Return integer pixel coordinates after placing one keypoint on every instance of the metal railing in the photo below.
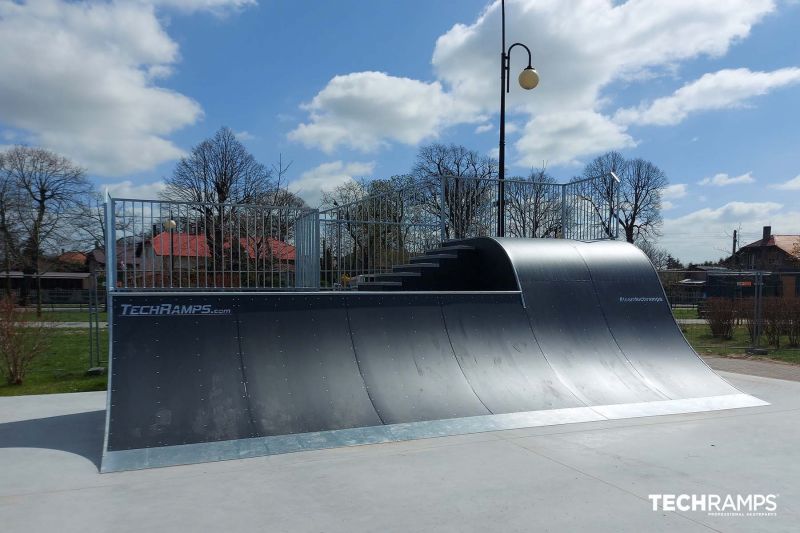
(193, 245)
(153, 245)
(371, 234)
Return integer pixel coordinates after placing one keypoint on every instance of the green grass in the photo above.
(62, 367)
(699, 336)
(62, 316)
(685, 312)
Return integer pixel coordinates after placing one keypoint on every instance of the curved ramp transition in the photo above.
(554, 331)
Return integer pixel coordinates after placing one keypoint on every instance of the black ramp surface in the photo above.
(493, 341)
(176, 379)
(641, 321)
(569, 324)
(406, 359)
(300, 366)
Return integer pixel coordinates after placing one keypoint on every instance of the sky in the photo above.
(707, 90)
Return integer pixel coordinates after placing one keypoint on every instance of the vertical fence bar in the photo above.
(111, 239)
(442, 207)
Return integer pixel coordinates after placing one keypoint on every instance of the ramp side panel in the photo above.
(641, 321)
(494, 344)
(569, 324)
(176, 378)
(406, 359)
(301, 370)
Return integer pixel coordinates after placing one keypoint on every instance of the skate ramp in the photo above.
(587, 335)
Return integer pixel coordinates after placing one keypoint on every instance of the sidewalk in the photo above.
(754, 367)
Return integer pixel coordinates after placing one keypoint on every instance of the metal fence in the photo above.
(371, 234)
(730, 311)
(194, 245)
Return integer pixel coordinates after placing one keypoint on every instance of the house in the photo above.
(776, 253)
(173, 258)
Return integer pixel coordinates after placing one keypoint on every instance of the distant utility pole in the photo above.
(735, 237)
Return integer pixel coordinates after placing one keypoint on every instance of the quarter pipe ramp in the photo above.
(552, 332)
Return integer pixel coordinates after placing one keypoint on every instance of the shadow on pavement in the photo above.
(80, 433)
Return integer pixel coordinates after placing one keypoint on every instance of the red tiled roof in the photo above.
(189, 245)
(72, 257)
(788, 243)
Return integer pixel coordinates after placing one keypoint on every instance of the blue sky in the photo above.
(707, 90)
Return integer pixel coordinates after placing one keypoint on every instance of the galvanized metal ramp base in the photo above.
(256, 447)
(561, 331)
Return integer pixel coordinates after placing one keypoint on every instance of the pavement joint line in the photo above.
(608, 483)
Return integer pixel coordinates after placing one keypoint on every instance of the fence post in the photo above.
(307, 250)
(611, 207)
(111, 251)
(442, 207)
(564, 211)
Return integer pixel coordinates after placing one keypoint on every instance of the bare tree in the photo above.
(47, 190)
(218, 170)
(468, 194)
(372, 222)
(640, 187)
(660, 257)
(217, 176)
(533, 205)
(9, 229)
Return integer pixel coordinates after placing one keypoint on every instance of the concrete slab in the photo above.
(593, 476)
(755, 366)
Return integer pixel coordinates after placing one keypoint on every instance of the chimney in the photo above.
(767, 234)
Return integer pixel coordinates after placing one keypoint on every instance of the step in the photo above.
(396, 275)
(427, 258)
(379, 286)
(414, 267)
(445, 248)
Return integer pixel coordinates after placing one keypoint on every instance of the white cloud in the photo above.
(580, 49)
(219, 7)
(718, 90)
(138, 191)
(674, 191)
(323, 178)
(565, 136)
(723, 180)
(82, 80)
(483, 128)
(364, 110)
(791, 185)
(244, 135)
(666, 205)
(706, 233)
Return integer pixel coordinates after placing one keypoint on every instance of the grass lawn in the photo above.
(685, 312)
(63, 316)
(62, 367)
(699, 336)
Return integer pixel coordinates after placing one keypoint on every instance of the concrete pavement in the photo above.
(592, 476)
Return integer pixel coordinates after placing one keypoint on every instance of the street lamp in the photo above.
(528, 79)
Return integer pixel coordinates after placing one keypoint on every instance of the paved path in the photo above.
(593, 476)
(754, 367)
(66, 325)
(688, 321)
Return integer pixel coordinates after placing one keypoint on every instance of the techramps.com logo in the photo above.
(750, 505)
(172, 310)
(639, 299)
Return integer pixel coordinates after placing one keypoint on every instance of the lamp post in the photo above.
(528, 79)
